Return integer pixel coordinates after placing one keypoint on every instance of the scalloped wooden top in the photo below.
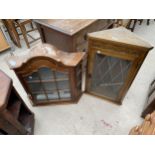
(46, 50)
(121, 35)
(5, 85)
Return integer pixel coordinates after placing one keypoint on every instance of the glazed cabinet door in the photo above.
(108, 75)
(48, 85)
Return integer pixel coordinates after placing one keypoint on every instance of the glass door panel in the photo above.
(53, 95)
(49, 86)
(63, 84)
(46, 73)
(61, 75)
(33, 77)
(109, 75)
(36, 87)
(40, 97)
(46, 85)
(65, 94)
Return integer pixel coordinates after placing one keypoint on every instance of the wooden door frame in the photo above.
(136, 64)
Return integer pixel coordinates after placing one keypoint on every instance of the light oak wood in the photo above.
(146, 128)
(121, 35)
(118, 43)
(3, 43)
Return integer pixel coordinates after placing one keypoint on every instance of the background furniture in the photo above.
(8, 39)
(114, 58)
(4, 45)
(70, 35)
(12, 26)
(3, 42)
(15, 117)
(150, 106)
(49, 75)
(127, 23)
(21, 23)
(146, 128)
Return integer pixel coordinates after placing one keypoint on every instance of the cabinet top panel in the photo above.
(46, 50)
(5, 84)
(67, 26)
(120, 35)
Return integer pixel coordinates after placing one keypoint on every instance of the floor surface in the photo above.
(92, 115)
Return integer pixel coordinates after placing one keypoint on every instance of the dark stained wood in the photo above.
(70, 35)
(117, 43)
(150, 105)
(5, 86)
(48, 56)
(12, 108)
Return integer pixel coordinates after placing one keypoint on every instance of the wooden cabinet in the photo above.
(150, 105)
(15, 117)
(3, 43)
(114, 58)
(146, 128)
(70, 35)
(49, 75)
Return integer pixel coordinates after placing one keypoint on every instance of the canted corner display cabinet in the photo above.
(114, 58)
(49, 75)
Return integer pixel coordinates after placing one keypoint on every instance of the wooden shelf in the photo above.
(14, 108)
(52, 80)
(50, 91)
(27, 120)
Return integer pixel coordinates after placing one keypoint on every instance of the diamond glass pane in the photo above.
(109, 75)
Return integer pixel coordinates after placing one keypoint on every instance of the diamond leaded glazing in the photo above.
(109, 75)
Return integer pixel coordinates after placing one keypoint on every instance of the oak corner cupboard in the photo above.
(49, 75)
(15, 116)
(114, 58)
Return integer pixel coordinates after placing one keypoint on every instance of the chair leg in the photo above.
(140, 21)
(24, 33)
(134, 25)
(148, 21)
(32, 25)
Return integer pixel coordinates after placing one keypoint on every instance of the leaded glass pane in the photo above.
(109, 75)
